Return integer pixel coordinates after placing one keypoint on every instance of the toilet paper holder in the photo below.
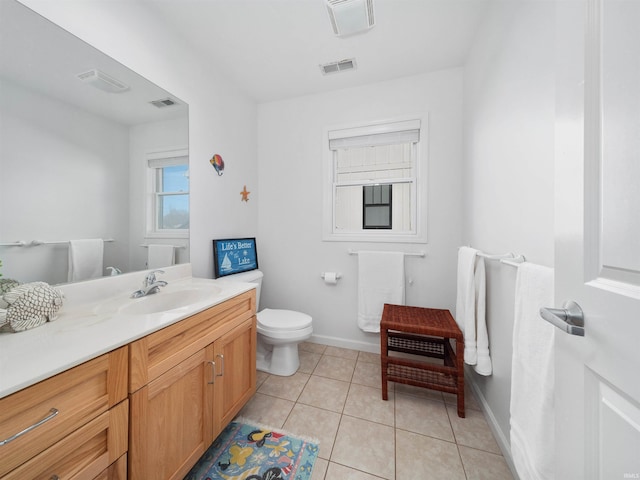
(330, 277)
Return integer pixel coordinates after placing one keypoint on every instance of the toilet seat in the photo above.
(273, 320)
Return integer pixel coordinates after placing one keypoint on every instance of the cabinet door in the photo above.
(171, 420)
(235, 365)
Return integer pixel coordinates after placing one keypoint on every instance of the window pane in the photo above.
(175, 179)
(384, 191)
(377, 217)
(368, 195)
(173, 212)
(377, 195)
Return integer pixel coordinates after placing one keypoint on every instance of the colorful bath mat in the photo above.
(256, 452)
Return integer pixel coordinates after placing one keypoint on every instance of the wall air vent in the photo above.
(350, 16)
(165, 102)
(102, 81)
(336, 67)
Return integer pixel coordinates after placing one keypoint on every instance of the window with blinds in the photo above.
(374, 181)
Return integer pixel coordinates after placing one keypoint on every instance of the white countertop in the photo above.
(89, 323)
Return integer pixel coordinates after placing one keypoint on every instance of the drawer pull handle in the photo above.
(213, 372)
(53, 413)
(221, 374)
(54, 477)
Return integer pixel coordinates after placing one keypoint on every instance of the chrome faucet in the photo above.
(150, 285)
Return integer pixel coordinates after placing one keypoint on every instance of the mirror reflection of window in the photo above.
(173, 198)
(169, 195)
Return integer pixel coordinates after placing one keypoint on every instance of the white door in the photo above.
(597, 228)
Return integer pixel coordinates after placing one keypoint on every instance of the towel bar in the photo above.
(406, 254)
(35, 243)
(507, 258)
(515, 262)
(18, 243)
(146, 245)
(496, 257)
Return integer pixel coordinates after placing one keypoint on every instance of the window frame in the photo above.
(419, 232)
(154, 162)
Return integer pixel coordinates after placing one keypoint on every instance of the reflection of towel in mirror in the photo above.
(160, 256)
(85, 259)
(380, 281)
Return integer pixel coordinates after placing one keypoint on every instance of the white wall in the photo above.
(221, 119)
(508, 169)
(46, 146)
(291, 251)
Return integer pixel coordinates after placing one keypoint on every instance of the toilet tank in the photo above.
(252, 276)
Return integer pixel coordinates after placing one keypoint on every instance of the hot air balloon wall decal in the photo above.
(217, 163)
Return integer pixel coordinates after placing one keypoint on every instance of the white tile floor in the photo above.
(335, 397)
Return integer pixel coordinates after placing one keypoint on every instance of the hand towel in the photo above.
(160, 256)
(466, 302)
(86, 258)
(532, 375)
(483, 358)
(380, 281)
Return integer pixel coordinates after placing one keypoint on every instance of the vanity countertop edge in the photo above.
(79, 334)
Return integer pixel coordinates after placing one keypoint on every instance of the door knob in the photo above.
(569, 318)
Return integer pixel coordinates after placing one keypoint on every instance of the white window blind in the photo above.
(374, 135)
(167, 161)
(379, 139)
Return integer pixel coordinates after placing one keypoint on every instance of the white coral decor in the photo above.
(29, 305)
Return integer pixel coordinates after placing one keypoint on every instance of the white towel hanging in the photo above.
(532, 375)
(380, 281)
(483, 358)
(159, 256)
(470, 309)
(86, 257)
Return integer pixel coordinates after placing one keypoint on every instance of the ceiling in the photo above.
(272, 49)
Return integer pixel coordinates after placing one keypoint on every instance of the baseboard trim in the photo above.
(498, 434)
(342, 343)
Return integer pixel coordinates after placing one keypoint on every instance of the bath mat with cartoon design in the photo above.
(249, 452)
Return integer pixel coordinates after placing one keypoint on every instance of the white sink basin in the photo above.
(162, 301)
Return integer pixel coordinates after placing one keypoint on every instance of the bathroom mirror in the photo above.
(82, 139)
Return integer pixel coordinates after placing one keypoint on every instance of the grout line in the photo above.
(392, 397)
(464, 470)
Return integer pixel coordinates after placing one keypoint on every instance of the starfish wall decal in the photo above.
(245, 194)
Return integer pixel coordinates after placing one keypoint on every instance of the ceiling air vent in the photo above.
(350, 16)
(341, 66)
(165, 102)
(102, 81)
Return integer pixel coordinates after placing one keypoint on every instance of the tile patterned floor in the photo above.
(335, 397)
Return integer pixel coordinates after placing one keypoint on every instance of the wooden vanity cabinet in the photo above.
(187, 381)
(81, 423)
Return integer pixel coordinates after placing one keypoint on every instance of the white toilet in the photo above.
(279, 332)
